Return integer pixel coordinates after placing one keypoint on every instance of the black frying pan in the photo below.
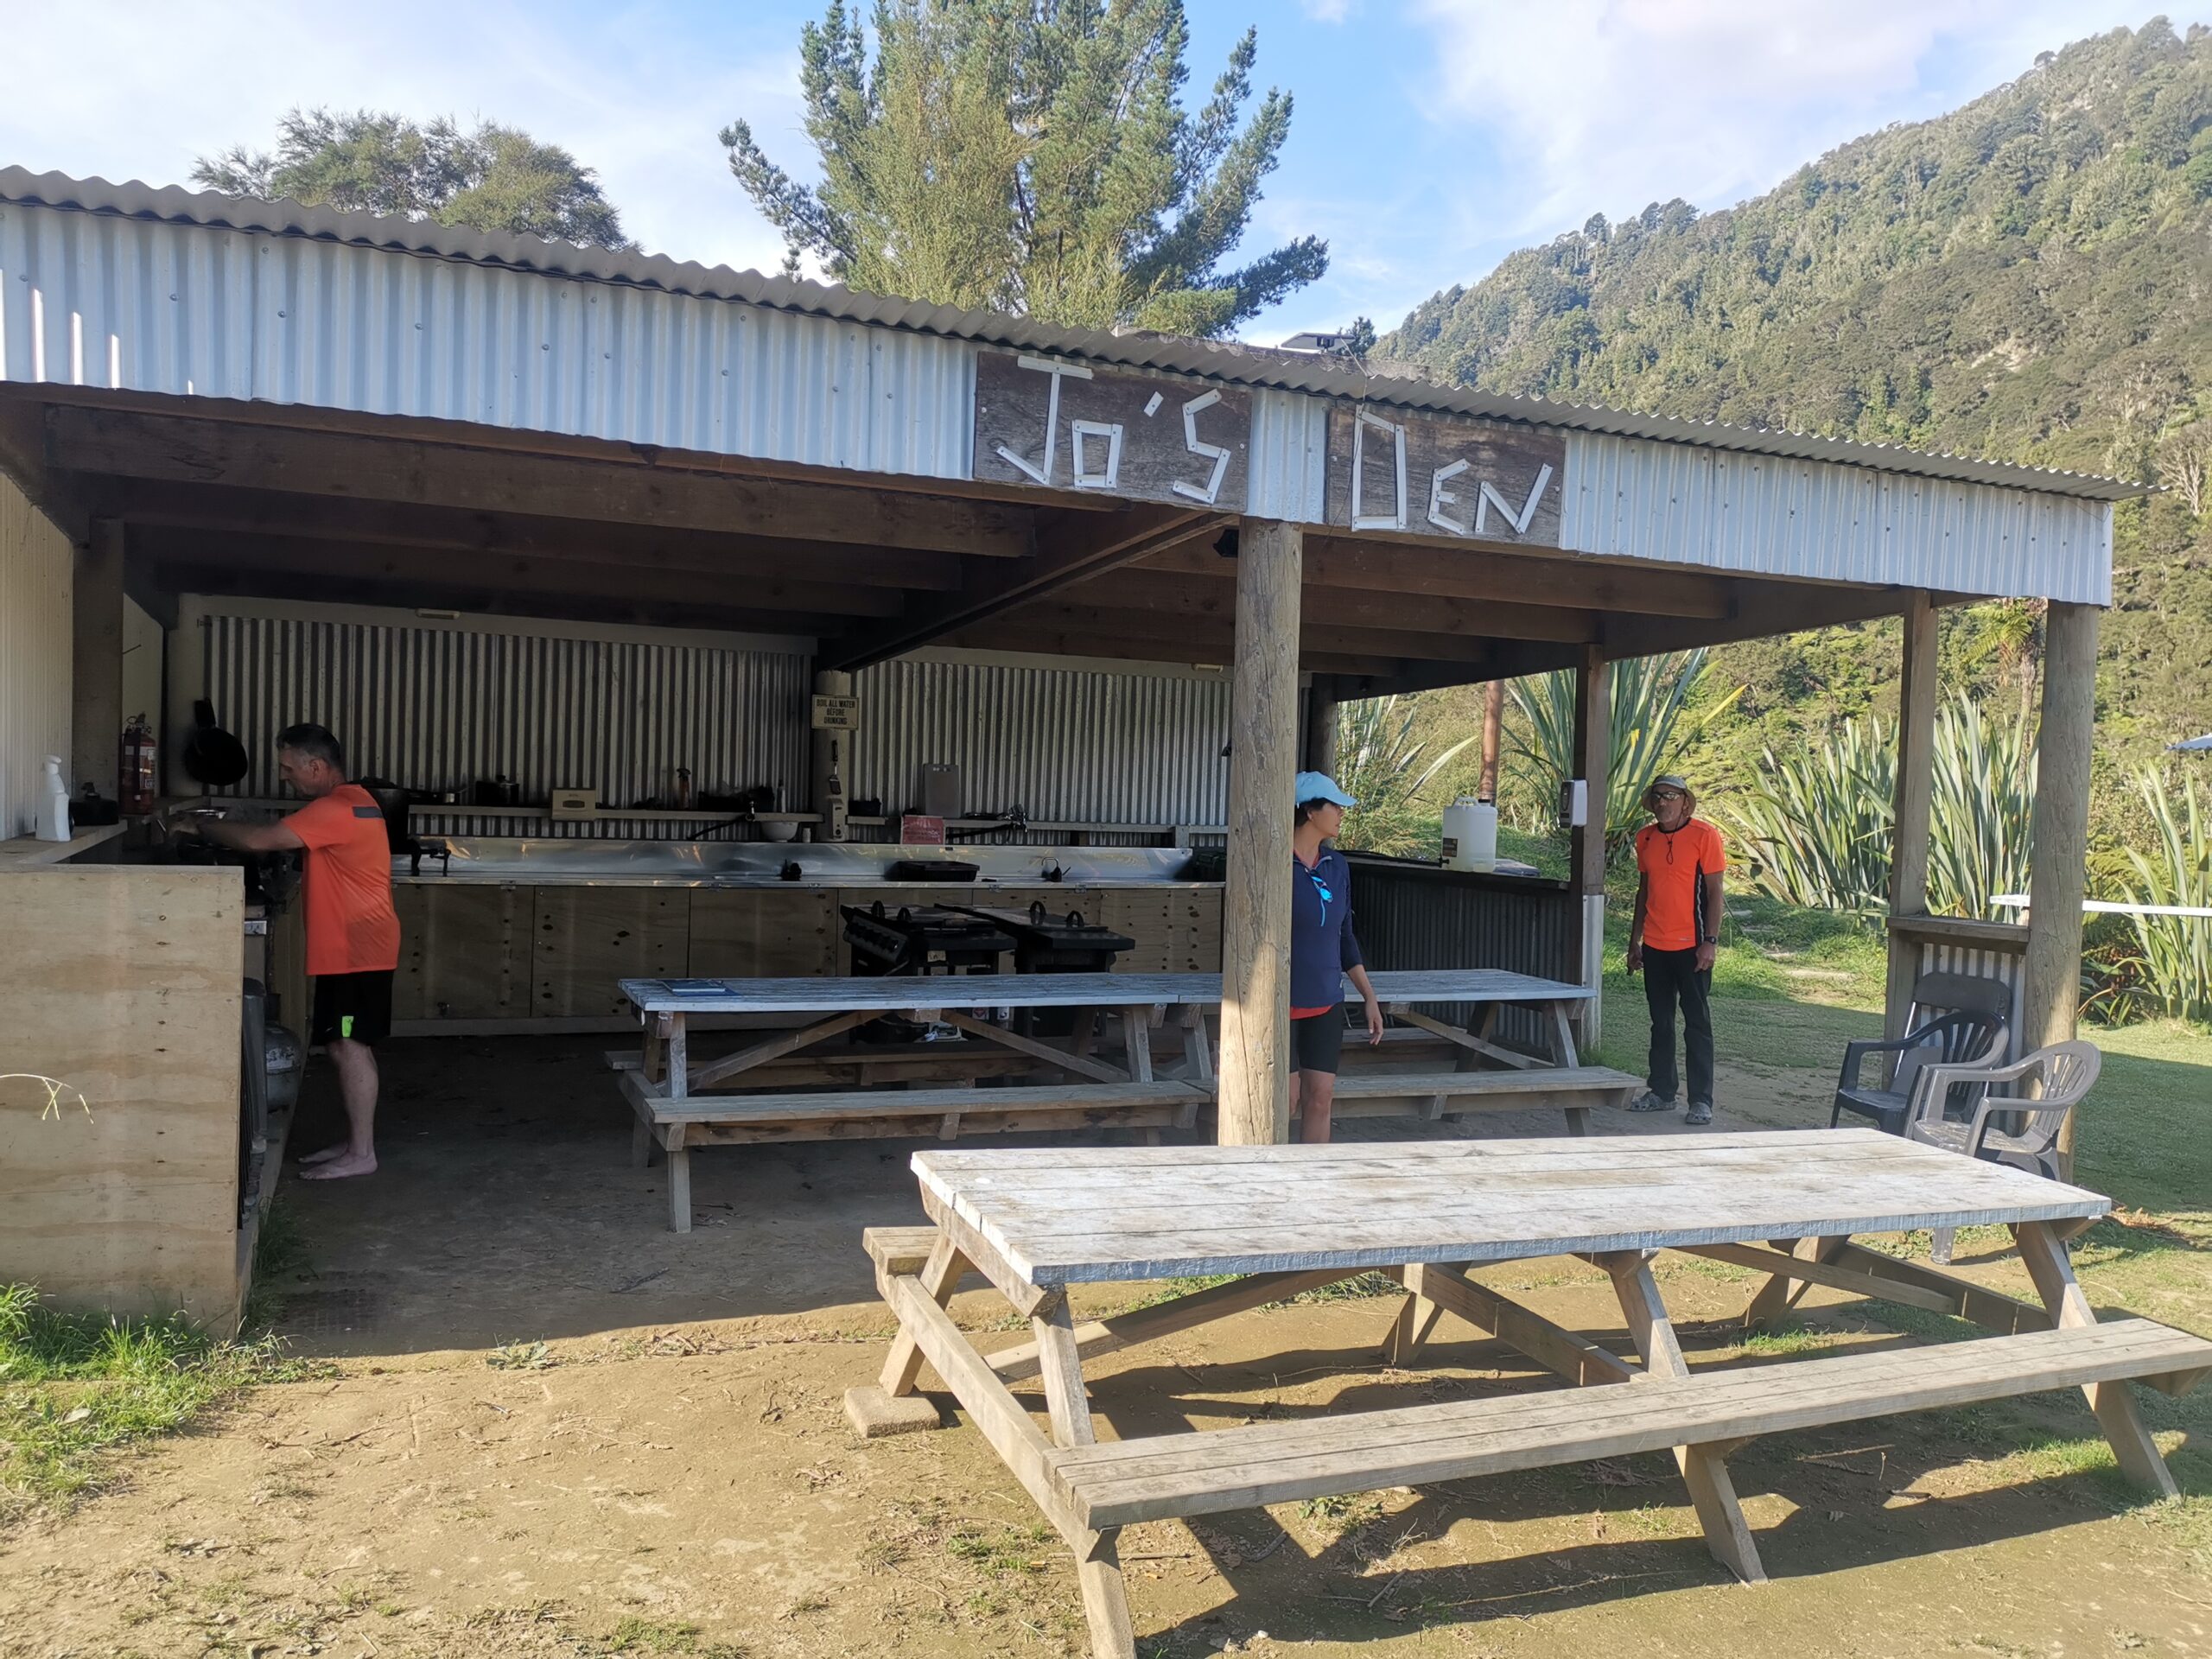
(212, 755)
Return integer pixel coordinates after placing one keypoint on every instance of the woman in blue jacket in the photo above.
(1322, 951)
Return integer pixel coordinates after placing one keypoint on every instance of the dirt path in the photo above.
(660, 1464)
(697, 1491)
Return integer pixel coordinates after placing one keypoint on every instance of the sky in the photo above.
(1431, 137)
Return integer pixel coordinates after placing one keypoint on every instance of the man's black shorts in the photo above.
(1318, 1041)
(355, 1006)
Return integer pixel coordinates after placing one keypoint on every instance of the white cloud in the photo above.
(1608, 105)
(126, 90)
(1326, 11)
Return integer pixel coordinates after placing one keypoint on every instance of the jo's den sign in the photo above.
(1064, 426)
(1434, 475)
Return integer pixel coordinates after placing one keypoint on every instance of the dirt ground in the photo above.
(549, 1427)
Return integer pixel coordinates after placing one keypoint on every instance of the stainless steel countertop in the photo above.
(580, 861)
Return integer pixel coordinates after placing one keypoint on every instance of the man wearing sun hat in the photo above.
(1673, 936)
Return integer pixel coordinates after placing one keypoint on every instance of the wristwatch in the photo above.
(1710, 938)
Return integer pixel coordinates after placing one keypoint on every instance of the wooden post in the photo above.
(1321, 724)
(2058, 871)
(97, 710)
(1594, 763)
(1254, 1078)
(1916, 779)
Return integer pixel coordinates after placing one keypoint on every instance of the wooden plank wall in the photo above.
(124, 983)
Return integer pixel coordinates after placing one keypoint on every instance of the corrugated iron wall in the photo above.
(187, 310)
(1076, 743)
(1763, 515)
(439, 708)
(35, 656)
(98, 300)
(1421, 917)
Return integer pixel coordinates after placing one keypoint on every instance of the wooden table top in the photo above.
(833, 995)
(1069, 1215)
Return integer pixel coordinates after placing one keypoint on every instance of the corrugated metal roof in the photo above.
(1237, 364)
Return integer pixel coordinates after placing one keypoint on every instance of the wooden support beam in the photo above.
(1594, 764)
(522, 574)
(490, 599)
(1321, 745)
(1176, 594)
(1072, 547)
(154, 503)
(357, 467)
(1571, 1355)
(1915, 780)
(1771, 608)
(1213, 635)
(1485, 572)
(1254, 1088)
(96, 643)
(2058, 872)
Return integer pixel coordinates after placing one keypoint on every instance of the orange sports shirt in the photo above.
(1674, 896)
(351, 927)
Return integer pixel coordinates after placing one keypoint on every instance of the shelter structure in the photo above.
(491, 502)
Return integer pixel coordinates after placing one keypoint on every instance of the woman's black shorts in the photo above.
(1318, 1041)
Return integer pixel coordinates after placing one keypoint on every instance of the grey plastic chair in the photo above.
(2021, 1133)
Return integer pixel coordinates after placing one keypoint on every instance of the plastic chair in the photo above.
(1966, 1038)
(2021, 1133)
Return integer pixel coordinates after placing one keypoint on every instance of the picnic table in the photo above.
(669, 1090)
(1288, 1218)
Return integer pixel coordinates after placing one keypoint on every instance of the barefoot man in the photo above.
(352, 931)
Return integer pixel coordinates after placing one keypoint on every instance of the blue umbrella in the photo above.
(2203, 742)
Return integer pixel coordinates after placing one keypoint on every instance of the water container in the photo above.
(52, 803)
(1470, 835)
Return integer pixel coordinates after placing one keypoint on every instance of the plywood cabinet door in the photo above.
(1177, 930)
(464, 953)
(586, 939)
(771, 934)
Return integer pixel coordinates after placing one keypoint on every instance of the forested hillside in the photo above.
(2024, 278)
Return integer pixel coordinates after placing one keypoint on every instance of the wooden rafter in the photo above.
(261, 512)
(447, 568)
(136, 444)
(1072, 547)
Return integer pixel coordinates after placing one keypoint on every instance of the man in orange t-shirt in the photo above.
(353, 930)
(1673, 936)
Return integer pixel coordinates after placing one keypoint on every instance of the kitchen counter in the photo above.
(28, 852)
(823, 866)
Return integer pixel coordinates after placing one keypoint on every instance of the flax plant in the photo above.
(2172, 965)
(1651, 724)
(1819, 821)
(1379, 762)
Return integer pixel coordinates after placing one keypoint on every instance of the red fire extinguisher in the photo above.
(138, 777)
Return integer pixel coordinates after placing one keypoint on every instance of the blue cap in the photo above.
(1318, 786)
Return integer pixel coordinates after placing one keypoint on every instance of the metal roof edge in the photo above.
(1258, 366)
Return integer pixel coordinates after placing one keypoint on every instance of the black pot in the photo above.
(211, 756)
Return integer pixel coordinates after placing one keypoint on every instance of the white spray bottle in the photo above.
(52, 803)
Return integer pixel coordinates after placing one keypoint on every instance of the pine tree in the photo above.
(1034, 156)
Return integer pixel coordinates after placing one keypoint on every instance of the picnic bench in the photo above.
(679, 1101)
(1284, 1219)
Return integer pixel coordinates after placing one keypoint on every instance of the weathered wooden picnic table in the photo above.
(1291, 1218)
(669, 1090)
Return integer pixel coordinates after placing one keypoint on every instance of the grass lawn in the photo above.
(78, 1389)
